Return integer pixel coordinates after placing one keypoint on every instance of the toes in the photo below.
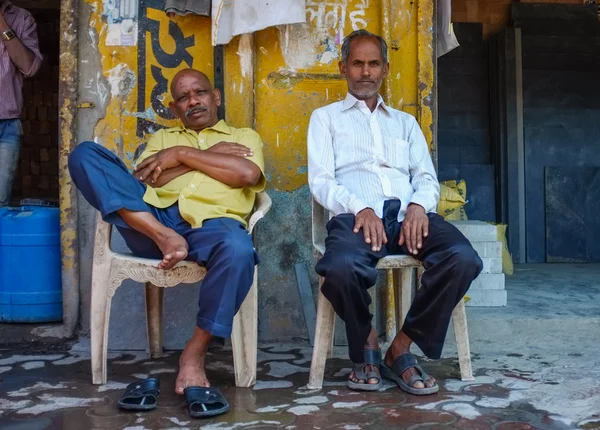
(418, 385)
(373, 381)
(430, 383)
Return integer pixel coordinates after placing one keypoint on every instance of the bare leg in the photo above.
(172, 245)
(372, 343)
(400, 345)
(191, 362)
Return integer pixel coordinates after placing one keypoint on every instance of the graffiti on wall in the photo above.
(158, 58)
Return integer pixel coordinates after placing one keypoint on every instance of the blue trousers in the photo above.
(11, 132)
(222, 245)
(348, 266)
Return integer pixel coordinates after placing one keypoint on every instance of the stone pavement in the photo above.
(53, 390)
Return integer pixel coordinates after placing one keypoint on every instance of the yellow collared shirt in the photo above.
(201, 197)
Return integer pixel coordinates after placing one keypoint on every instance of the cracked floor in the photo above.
(54, 391)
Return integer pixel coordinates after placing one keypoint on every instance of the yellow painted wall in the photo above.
(120, 67)
(274, 79)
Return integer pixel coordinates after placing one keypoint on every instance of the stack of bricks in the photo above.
(488, 289)
(37, 173)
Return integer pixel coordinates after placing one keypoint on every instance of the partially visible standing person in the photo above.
(20, 58)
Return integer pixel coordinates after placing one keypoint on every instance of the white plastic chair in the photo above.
(110, 269)
(400, 288)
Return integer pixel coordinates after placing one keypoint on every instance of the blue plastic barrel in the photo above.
(30, 265)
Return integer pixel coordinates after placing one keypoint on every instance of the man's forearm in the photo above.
(232, 170)
(18, 53)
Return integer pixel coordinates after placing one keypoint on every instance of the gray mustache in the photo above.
(195, 109)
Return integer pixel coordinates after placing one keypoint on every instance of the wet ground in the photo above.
(54, 391)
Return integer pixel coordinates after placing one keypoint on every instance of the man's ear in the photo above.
(172, 107)
(342, 67)
(217, 96)
(386, 70)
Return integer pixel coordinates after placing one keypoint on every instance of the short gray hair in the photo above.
(363, 33)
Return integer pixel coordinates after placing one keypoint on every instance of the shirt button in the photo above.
(201, 140)
(182, 196)
(192, 186)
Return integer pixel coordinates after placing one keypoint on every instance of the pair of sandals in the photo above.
(401, 364)
(201, 401)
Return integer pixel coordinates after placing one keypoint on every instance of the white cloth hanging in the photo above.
(233, 17)
(446, 39)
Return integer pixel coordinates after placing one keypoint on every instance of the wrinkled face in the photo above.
(195, 102)
(364, 69)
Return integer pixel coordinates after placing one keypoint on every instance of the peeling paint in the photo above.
(245, 53)
(303, 410)
(112, 385)
(452, 398)
(313, 400)
(226, 426)
(122, 80)
(264, 385)
(20, 358)
(298, 46)
(52, 403)
(283, 369)
(33, 365)
(174, 420)
(349, 405)
(39, 386)
(462, 409)
(269, 409)
(70, 360)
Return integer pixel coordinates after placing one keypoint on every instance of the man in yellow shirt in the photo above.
(190, 194)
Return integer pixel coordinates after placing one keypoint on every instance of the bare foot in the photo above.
(174, 248)
(399, 346)
(191, 362)
(191, 373)
(372, 343)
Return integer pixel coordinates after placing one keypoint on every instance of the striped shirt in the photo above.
(11, 79)
(358, 159)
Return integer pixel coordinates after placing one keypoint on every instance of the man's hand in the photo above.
(231, 148)
(154, 165)
(415, 228)
(167, 176)
(372, 226)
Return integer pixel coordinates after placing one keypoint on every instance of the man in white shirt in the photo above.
(369, 166)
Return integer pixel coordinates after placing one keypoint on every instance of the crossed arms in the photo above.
(227, 162)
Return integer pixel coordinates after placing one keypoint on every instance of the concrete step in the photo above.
(491, 265)
(477, 231)
(488, 281)
(488, 249)
(491, 298)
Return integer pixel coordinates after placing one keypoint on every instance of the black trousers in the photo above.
(348, 266)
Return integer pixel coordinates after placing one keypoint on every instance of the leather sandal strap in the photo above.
(359, 371)
(372, 356)
(403, 363)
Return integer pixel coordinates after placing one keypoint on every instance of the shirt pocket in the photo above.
(397, 153)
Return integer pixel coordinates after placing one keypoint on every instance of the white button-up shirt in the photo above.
(358, 159)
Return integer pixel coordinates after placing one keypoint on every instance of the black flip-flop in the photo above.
(371, 357)
(401, 364)
(205, 401)
(141, 395)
